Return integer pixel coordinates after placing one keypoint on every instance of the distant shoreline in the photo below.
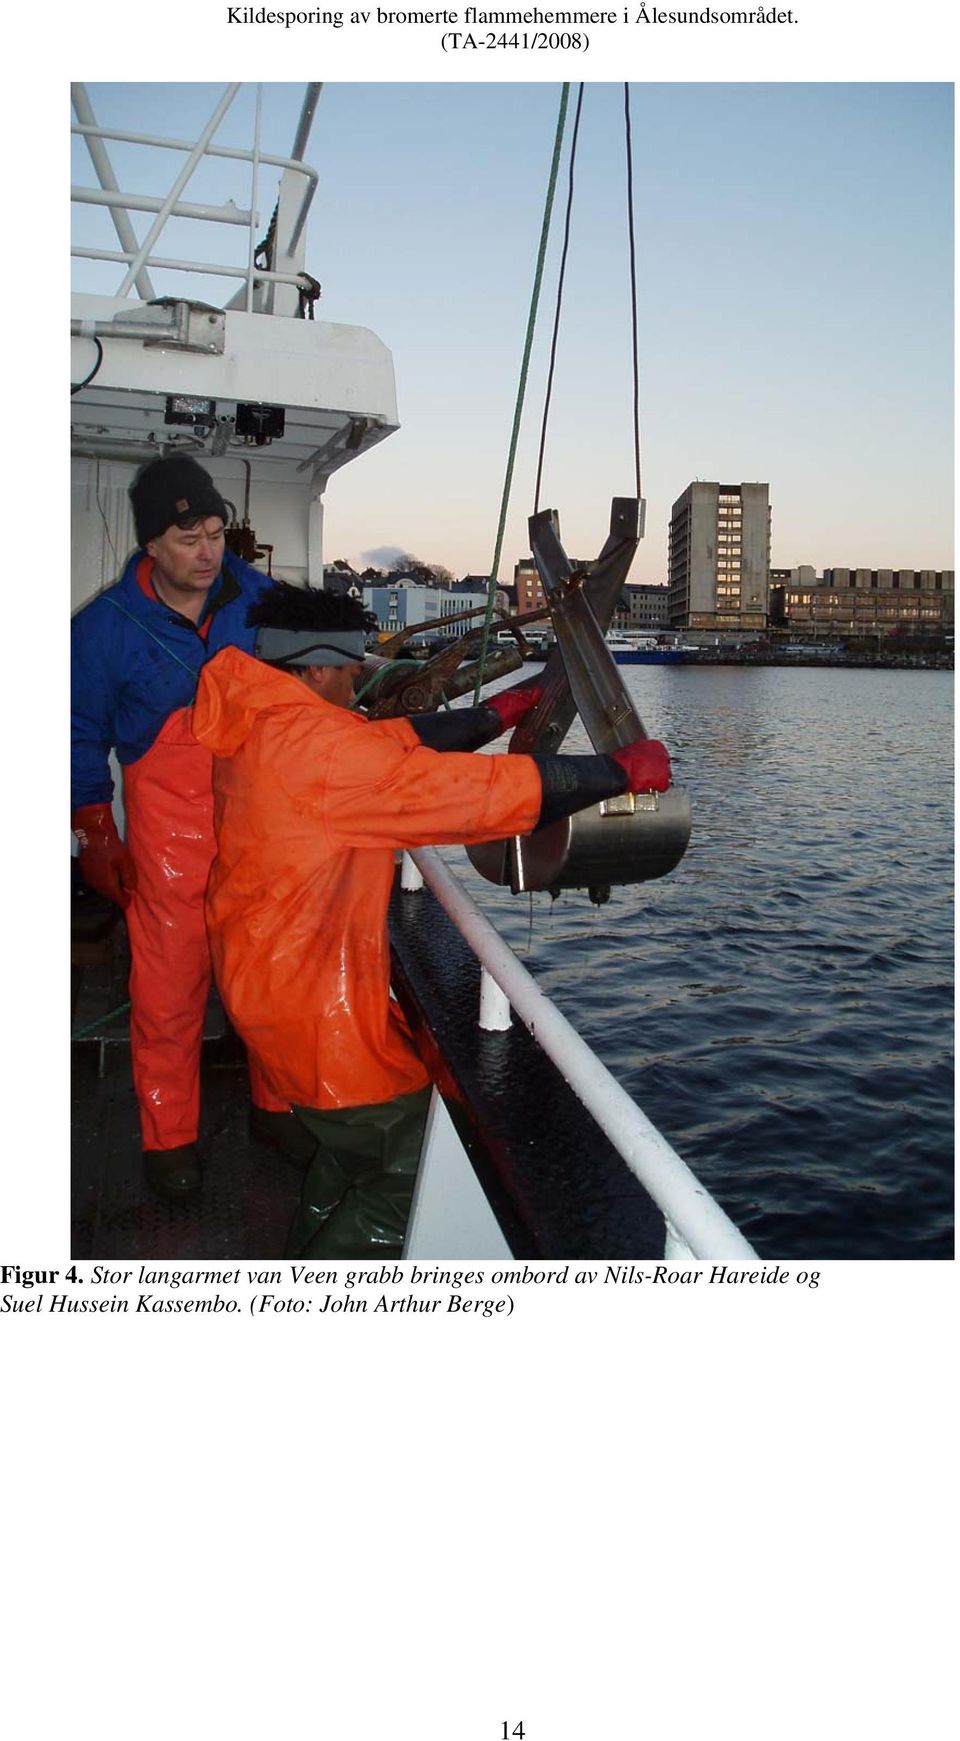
(745, 656)
(829, 661)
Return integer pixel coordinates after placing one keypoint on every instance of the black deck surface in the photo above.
(557, 1186)
(249, 1191)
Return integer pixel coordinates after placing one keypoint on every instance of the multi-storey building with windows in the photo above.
(642, 607)
(530, 596)
(530, 593)
(719, 560)
(401, 602)
(850, 602)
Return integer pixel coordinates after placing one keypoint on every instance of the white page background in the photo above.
(620, 1512)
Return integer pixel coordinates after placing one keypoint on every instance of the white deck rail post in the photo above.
(494, 1005)
(410, 878)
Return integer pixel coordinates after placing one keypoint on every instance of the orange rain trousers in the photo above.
(168, 797)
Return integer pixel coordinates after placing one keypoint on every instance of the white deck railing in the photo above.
(696, 1224)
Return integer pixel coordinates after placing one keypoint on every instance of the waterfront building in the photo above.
(401, 602)
(719, 559)
(847, 603)
(508, 596)
(642, 607)
(530, 593)
(530, 596)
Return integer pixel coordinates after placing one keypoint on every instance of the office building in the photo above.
(855, 602)
(642, 607)
(719, 559)
(530, 593)
(401, 603)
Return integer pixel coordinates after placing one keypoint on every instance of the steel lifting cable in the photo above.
(633, 283)
(633, 295)
(556, 317)
(521, 390)
(628, 140)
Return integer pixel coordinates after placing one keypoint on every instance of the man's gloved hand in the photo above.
(511, 705)
(646, 765)
(105, 863)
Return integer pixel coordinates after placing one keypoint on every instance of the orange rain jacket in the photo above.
(311, 803)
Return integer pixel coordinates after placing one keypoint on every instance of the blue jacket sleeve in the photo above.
(92, 728)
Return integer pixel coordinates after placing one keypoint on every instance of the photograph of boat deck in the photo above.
(641, 911)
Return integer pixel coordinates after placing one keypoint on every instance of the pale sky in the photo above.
(795, 253)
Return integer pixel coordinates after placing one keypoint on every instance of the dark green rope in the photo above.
(521, 389)
(390, 665)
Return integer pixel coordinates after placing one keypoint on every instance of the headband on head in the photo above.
(304, 647)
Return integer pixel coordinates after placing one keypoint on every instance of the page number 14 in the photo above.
(507, 1733)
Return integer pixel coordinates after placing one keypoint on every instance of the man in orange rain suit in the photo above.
(138, 648)
(312, 802)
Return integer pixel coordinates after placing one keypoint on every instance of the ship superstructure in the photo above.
(269, 398)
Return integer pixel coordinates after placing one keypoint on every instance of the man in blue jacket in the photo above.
(138, 650)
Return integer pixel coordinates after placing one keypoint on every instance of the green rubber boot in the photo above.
(358, 1188)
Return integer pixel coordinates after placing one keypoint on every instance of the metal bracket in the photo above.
(168, 324)
(575, 594)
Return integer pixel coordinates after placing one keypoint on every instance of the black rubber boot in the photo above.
(174, 1173)
(289, 1137)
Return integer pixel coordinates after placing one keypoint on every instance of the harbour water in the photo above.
(781, 1006)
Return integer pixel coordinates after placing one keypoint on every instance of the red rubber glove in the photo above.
(105, 863)
(511, 705)
(646, 764)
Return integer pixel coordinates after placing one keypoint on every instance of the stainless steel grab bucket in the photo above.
(623, 840)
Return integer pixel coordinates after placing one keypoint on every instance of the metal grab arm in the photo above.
(582, 601)
(624, 840)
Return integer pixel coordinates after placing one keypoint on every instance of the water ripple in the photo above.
(781, 1006)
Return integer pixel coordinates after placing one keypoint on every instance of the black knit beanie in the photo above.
(171, 492)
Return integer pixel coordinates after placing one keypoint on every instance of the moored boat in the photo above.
(645, 650)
